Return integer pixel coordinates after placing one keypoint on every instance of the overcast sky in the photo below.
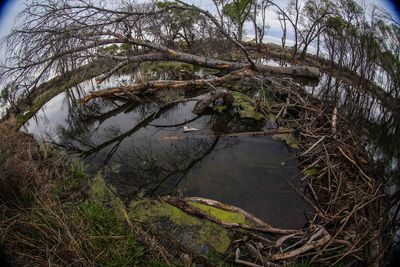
(12, 7)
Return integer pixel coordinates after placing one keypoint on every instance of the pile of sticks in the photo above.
(350, 224)
(345, 187)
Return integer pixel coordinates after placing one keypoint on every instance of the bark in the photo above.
(303, 71)
(166, 84)
(202, 105)
(259, 227)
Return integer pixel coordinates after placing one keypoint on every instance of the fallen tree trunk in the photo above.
(198, 83)
(167, 84)
(172, 55)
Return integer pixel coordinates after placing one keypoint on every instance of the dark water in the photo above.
(142, 157)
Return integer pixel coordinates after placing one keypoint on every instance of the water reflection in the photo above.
(147, 153)
(377, 128)
(376, 123)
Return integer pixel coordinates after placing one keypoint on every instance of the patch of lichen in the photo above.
(220, 108)
(223, 215)
(288, 138)
(246, 106)
(25, 116)
(173, 223)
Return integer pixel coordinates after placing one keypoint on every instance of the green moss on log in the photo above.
(288, 138)
(223, 215)
(196, 234)
(245, 106)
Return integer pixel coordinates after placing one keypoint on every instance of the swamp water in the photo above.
(146, 153)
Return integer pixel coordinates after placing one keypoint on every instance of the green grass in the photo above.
(53, 213)
(110, 237)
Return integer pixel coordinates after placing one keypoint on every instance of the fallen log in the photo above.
(221, 94)
(167, 84)
(288, 243)
(239, 134)
(223, 65)
(259, 226)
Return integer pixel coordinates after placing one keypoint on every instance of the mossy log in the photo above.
(221, 95)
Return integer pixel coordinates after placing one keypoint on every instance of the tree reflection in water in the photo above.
(378, 129)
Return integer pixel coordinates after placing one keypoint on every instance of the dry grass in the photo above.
(22, 165)
(47, 219)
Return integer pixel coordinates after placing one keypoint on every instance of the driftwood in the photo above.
(259, 227)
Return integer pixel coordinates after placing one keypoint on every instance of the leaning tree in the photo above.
(58, 38)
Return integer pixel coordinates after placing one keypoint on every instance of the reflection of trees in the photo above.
(358, 107)
(351, 101)
(378, 127)
(83, 121)
(146, 163)
(159, 167)
(116, 141)
(182, 171)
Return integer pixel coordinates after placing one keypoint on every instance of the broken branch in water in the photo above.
(239, 134)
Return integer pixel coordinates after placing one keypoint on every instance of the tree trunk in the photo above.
(302, 71)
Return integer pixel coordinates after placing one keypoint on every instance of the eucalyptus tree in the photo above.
(60, 38)
(290, 15)
(219, 6)
(262, 8)
(238, 12)
(314, 16)
(388, 31)
(176, 25)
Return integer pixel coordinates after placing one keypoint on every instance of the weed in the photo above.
(53, 213)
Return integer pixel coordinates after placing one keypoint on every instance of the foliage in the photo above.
(54, 213)
(238, 11)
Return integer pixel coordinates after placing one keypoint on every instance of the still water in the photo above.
(146, 152)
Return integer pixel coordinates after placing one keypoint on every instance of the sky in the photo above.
(10, 8)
